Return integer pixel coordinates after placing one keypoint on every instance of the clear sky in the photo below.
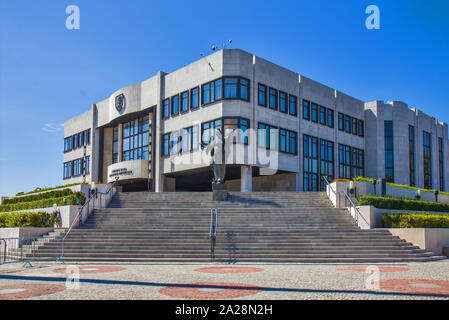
(49, 74)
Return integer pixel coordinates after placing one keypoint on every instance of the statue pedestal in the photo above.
(219, 192)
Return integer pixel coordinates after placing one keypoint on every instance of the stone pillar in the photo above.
(246, 179)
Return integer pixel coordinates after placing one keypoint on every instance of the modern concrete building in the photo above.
(288, 130)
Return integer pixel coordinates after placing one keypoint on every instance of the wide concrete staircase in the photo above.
(252, 227)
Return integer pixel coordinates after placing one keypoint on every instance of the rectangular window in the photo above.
(283, 140)
(411, 154)
(427, 153)
(293, 105)
(136, 139)
(184, 101)
(244, 89)
(357, 163)
(326, 162)
(441, 163)
(77, 167)
(67, 144)
(262, 95)
(115, 145)
(267, 136)
(310, 163)
(344, 161)
(283, 102)
(166, 144)
(322, 115)
(305, 109)
(354, 126)
(341, 122)
(86, 167)
(75, 142)
(67, 170)
(194, 98)
(314, 113)
(273, 99)
(389, 151)
(186, 140)
(231, 88)
(166, 109)
(174, 143)
(347, 124)
(175, 105)
(361, 128)
(205, 93)
(218, 89)
(330, 118)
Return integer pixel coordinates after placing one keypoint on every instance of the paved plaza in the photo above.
(48, 281)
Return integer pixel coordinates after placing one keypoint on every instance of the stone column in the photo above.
(246, 179)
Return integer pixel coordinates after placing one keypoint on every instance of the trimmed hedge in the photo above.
(48, 189)
(27, 220)
(40, 196)
(414, 220)
(401, 204)
(398, 185)
(77, 198)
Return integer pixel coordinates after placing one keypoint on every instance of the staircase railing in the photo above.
(81, 217)
(213, 231)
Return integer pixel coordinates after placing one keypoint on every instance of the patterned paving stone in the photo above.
(23, 291)
(381, 268)
(224, 270)
(210, 291)
(417, 286)
(90, 269)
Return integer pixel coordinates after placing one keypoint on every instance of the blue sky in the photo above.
(49, 74)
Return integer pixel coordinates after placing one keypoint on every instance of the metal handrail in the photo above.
(356, 210)
(330, 186)
(79, 215)
(213, 231)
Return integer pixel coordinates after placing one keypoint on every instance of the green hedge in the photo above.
(40, 196)
(77, 198)
(398, 185)
(414, 220)
(401, 204)
(27, 220)
(48, 189)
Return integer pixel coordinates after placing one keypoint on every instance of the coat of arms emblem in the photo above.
(120, 102)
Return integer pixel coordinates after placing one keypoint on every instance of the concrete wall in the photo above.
(433, 240)
(279, 182)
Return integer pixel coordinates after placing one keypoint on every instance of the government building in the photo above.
(288, 132)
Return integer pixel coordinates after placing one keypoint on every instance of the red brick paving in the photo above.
(90, 269)
(381, 268)
(225, 291)
(224, 270)
(23, 291)
(417, 286)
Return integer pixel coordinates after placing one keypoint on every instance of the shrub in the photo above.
(77, 198)
(40, 196)
(48, 189)
(414, 220)
(401, 204)
(398, 185)
(27, 220)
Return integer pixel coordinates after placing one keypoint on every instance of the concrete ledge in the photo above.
(23, 232)
(426, 238)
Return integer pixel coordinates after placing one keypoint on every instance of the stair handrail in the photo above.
(213, 231)
(79, 216)
(330, 186)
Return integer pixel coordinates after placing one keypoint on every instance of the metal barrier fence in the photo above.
(21, 249)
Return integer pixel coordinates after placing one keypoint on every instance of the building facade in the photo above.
(288, 132)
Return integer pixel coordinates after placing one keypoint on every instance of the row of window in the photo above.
(180, 142)
(219, 89)
(77, 141)
(76, 168)
(268, 137)
(275, 99)
(350, 124)
(318, 114)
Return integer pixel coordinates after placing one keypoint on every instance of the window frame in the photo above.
(259, 86)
